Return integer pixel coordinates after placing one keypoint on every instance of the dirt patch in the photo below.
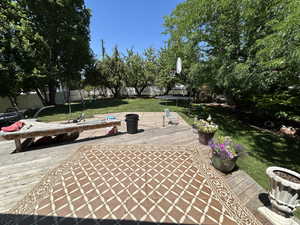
(287, 176)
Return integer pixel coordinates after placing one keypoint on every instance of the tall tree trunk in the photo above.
(13, 101)
(103, 91)
(52, 92)
(115, 91)
(81, 97)
(94, 97)
(167, 90)
(44, 91)
(41, 96)
(139, 91)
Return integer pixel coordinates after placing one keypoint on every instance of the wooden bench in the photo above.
(34, 129)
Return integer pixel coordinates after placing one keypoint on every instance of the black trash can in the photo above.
(132, 123)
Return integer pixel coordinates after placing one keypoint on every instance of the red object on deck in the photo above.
(14, 127)
(112, 130)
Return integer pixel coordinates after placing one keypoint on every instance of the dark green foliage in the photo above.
(140, 72)
(112, 71)
(168, 55)
(245, 47)
(64, 26)
(165, 77)
(44, 44)
(17, 44)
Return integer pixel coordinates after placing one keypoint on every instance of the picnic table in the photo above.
(33, 129)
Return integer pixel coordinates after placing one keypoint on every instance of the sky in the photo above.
(128, 23)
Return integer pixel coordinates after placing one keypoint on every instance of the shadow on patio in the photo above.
(12, 219)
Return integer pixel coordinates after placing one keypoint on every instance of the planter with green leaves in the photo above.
(225, 153)
(206, 130)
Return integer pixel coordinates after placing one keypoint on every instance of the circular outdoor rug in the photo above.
(131, 184)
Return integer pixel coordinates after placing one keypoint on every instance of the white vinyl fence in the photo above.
(32, 101)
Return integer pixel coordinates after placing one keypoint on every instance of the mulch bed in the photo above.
(288, 177)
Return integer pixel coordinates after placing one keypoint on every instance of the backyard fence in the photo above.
(32, 101)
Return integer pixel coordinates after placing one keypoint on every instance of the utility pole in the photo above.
(102, 48)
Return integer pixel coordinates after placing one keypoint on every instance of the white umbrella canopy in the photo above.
(178, 65)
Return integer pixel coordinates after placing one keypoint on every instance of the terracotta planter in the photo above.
(284, 194)
(224, 165)
(204, 138)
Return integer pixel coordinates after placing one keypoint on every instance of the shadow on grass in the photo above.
(78, 107)
(173, 103)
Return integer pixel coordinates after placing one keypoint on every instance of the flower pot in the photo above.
(284, 190)
(204, 138)
(224, 165)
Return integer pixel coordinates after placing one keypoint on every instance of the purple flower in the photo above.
(211, 144)
(239, 148)
(227, 142)
(222, 147)
(230, 155)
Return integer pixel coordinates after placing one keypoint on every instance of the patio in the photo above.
(124, 177)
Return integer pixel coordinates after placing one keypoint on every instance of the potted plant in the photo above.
(225, 153)
(206, 130)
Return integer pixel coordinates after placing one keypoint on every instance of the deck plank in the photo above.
(20, 172)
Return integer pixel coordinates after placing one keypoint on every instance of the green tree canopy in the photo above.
(18, 48)
(64, 27)
(140, 71)
(112, 69)
(166, 77)
(245, 46)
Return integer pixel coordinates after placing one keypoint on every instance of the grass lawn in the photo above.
(107, 106)
(264, 148)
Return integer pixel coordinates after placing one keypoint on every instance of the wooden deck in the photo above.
(20, 172)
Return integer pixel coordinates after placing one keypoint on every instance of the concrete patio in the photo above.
(21, 172)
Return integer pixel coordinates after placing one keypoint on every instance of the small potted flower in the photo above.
(225, 153)
(206, 130)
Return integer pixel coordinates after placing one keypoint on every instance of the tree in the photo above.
(64, 26)
(151, 66)
(244, 46)
(17, 49)
(165, 78)
(135, 72)
(94, 78)
(278, 52)
(140, 71)
(112, 68)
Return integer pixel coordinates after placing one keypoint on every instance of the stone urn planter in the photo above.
(224, 165)
(284, 190)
